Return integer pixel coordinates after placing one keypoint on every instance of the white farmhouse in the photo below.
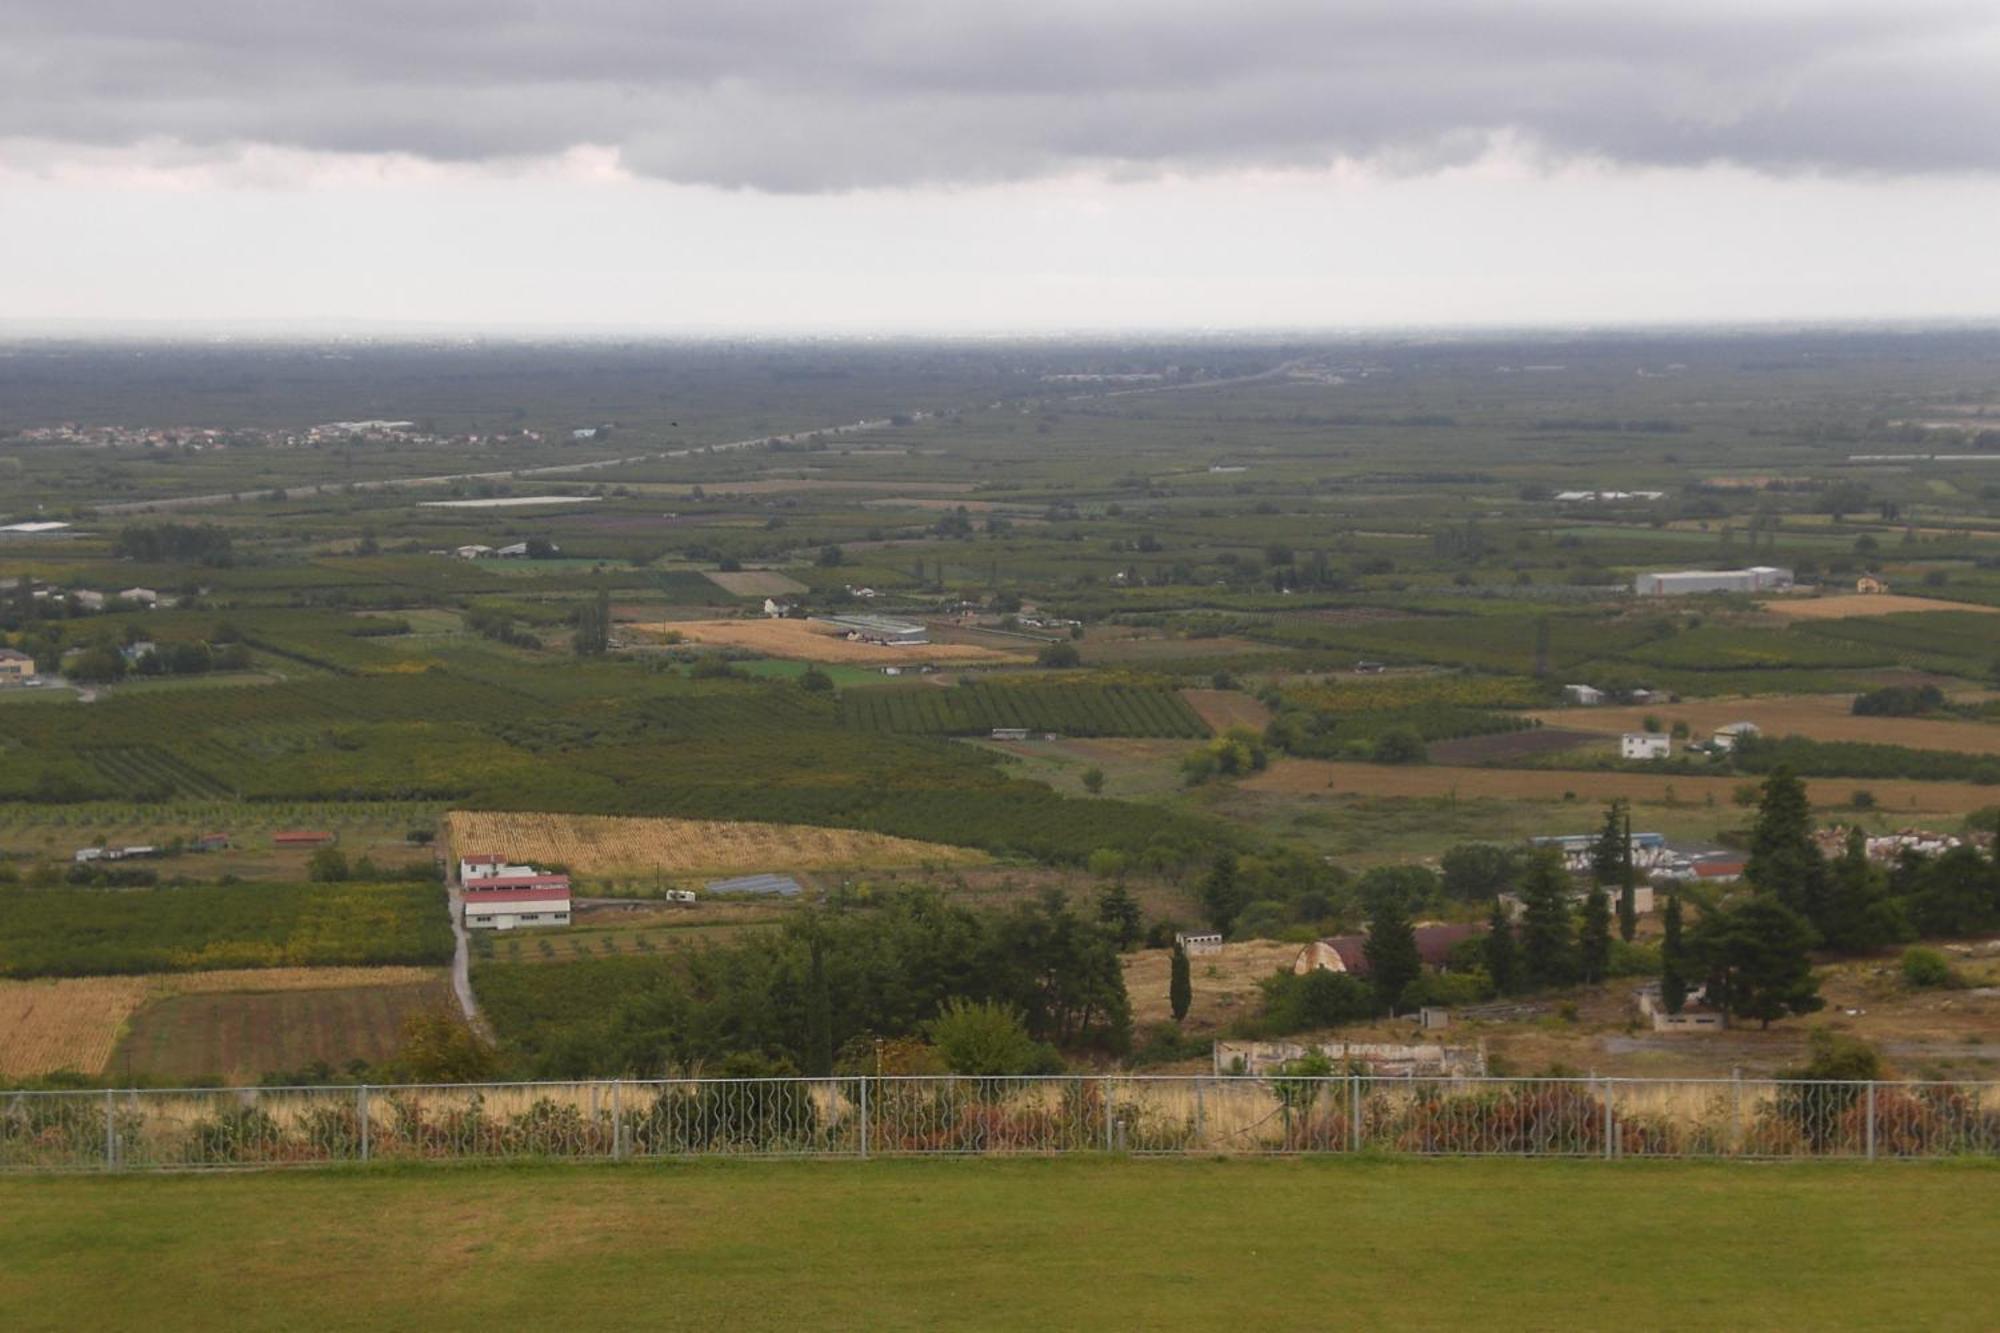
(1645, 745)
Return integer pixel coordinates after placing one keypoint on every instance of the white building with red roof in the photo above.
(499, 896)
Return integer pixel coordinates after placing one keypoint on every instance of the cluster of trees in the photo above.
(1899, 701)
(102, 662)
(175, 543)
(833, 980)
(499, 627)
(1234, 754)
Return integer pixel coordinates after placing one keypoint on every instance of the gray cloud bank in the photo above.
(815, 95)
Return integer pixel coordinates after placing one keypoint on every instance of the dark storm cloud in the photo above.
(830, 94)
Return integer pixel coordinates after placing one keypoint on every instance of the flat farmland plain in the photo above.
(604, 844)
(1299, 777)
(1820, 717)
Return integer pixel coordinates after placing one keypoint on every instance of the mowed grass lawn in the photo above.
(1012, 1244)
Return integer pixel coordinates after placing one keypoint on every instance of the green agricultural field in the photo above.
(1019, 1244)
(72, 932)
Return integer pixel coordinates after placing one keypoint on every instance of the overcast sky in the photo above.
(1056, 164)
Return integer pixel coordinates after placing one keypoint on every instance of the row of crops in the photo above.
(1069, 708)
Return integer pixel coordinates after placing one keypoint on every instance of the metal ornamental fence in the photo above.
(623, 1119)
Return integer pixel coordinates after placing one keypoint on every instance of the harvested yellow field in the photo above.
(811, 642)
(64, 1023)
(75, 1022)
(1822, 717)
(1862, 604)
(754, 582)
(604, 844)
(1301, 777)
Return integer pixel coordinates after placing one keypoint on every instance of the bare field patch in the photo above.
(1224, 983)
(802, 640)
(1301, 777)
(1820, 717)
(1862, 604)
(605, 844)
(754, 582)
(1223, 709)
(75, 1023)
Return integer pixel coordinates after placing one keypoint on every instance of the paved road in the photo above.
(401, 483)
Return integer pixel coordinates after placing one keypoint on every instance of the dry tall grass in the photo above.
(603, 844)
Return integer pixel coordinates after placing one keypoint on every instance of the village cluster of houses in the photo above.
(515, 551)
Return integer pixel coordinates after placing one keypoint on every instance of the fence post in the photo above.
(1736, 1111)
(1871, 1119)
(1353, 1111)
(1200, 1115)
(864, 1117)
(1610, 1129)
(617, 1120)
(361, 1117)
(110, 1131)
(1104, 1100)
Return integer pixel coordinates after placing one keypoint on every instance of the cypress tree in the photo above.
(1673, 962)
(1594, 937)
(1628, 884)
(1180, 986)
(819, 1012)
(1547, 935)
(1502, 960)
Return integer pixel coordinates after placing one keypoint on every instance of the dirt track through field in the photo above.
(1301, 777)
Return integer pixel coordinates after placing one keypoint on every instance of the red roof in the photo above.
(1434, 945)
(301, 835)
(544, 893)
(519, 882)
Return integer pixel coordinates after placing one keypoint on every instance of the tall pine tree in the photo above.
(1758, 964)
(1547, 936)
(1784, 861)
(1180, 985)
(1391, 949)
